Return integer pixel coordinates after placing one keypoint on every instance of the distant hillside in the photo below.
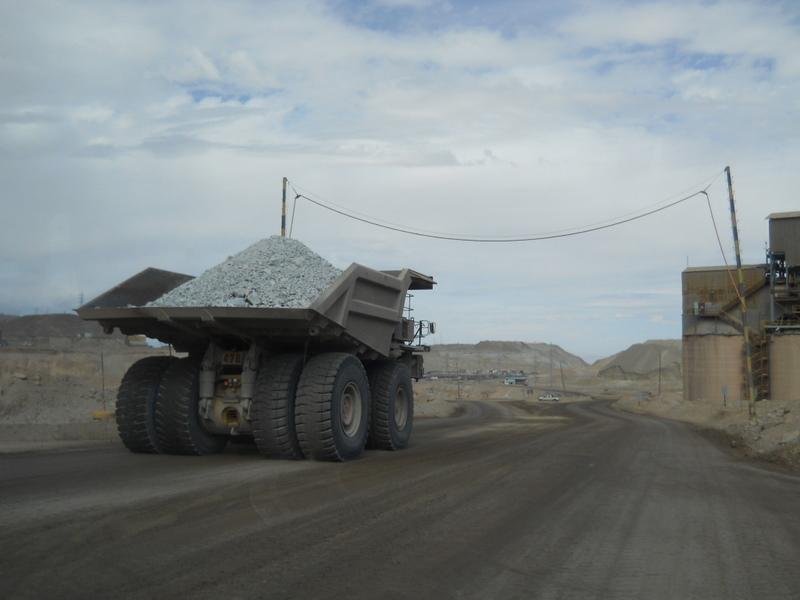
(487, 355)
(41, 327)
(641, 361)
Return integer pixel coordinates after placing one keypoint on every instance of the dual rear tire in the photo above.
(136, 404)
(272, 410)
(179, 427)
(157, 408)
(329, 408)
(341, 407)
(332, 408)
(392, 405)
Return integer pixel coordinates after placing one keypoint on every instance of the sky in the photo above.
(136, 134)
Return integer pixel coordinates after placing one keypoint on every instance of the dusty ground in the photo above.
(507, 500)
(439, 398)
(49, 395)
(50, 398)
(773, 434)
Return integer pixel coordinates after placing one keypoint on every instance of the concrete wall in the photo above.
(711, 364)
(712, 287)
(784, 366)
(758, 312)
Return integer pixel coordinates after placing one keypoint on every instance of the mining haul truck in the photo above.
(321, 382)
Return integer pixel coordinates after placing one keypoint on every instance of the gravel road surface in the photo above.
(502, 501)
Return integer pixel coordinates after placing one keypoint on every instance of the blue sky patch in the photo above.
(296, 116)
(506, 17)
(198, 95)
(765, 66)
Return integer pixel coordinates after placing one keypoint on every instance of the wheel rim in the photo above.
(400, 408)
(350, 409)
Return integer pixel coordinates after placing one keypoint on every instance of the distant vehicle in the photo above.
(548, 397)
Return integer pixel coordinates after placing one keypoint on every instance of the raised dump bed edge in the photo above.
(318, 382)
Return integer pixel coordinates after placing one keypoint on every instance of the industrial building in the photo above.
(714, 357)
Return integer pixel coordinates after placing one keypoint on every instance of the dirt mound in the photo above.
(642, 360)
(47, 326)
(49, 394)
(498, 346)
(500, 355)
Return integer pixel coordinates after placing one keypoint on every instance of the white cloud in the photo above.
(149, 134)
(92, 113)
(195, 66)
(244, 69)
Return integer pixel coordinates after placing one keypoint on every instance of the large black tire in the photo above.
(332, 407)
(272, 410)
(136, 403)
(178, 424)
(392, 405)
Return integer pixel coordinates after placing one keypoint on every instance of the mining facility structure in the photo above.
(714, 357)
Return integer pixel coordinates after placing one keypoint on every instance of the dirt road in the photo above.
(495, 503)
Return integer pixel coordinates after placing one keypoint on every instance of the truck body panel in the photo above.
(360, 311)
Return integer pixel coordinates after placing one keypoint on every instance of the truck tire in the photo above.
(332, 407)
(178, 424)
(136, 403)
(392, 414)
(272, 410)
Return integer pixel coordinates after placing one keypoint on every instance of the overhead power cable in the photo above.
(294, 210)
(350, 214)
(721, 247)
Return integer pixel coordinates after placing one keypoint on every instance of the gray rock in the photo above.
(791, 437)
(273, 273)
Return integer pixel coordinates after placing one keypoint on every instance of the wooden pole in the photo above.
(283, 209)
(659, 373)
(103, 379)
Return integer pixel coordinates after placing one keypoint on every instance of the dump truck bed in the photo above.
(361, 309)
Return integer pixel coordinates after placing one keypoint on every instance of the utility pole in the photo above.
(563, 385)
(283, 209)
(103, 379)
(458, 380)
(748, 353)
(659, 373)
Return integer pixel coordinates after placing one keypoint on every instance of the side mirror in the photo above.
(432, 327)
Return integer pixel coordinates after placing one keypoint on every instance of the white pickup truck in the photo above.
(548, 397)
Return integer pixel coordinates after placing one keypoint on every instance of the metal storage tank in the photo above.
(784, 366)
(713, 369)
